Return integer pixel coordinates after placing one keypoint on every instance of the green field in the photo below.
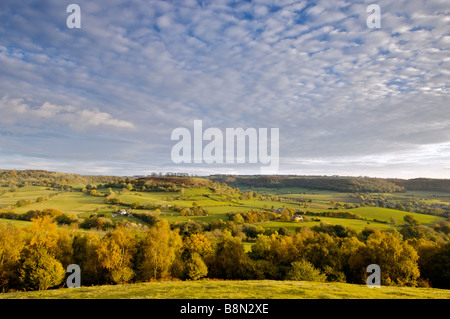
(83, 205)
(206, 289)
(356, 224)
(384, 214)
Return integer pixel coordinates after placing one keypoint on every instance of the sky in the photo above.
(105, 98)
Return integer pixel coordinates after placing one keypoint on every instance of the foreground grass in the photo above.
(264, 289)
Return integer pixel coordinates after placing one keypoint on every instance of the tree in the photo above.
(410, 220)
(322, 251)
(393, 221)
(135, 205)
(195, 248)
(230, 260)
(261, 248)
(303, 270)
(196, 244)
(64, 248)
(252, 231)
(11, 244)
(39, 267)
(350, 246)
(396, 258)
(158, 251)
(196, 267)
(434, 262)
(115, 254)
(85, 248)
(238, 219)
(41, 271)
(43, 234)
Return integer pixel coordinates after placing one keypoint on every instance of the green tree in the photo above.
(41, 271)
(303, 270)
(393, 221)
(252, 231)
(434, 262)
(230, 260)
(410, 220)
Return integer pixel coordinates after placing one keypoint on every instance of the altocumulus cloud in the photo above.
(347, 99)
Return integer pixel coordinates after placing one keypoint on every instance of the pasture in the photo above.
(251, 289)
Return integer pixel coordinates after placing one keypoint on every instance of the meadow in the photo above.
(220, 289)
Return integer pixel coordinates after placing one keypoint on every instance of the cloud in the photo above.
(137, 70)
(18, 111)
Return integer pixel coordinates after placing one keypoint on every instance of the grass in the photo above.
(24, 193)
(385, 214)
(259, 289)
(356, 224)
(18, 223)
(72, 203)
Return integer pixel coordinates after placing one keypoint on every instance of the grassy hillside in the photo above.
(265, 289)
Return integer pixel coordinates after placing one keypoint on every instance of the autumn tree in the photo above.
(11, 244)
(115, 252)
(64, 248)
(434, 262)
(396, 258)
(195, 248)
(39, 267)
(41, 271)
(230, 260)
(196, 267)
(85, 254)
(158, 251)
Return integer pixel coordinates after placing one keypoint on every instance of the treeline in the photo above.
(21, 178)
(285, 214)
(54, 214)
(333, 183)
(36, 257)
(142, 186)
(338, 183)
(424, 184)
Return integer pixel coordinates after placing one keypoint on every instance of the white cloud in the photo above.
(18, 111)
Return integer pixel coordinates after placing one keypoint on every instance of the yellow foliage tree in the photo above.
(11, 244)
(159, 250)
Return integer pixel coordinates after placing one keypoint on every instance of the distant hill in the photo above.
(178, 181)
(336, 183)
(424, 184)
(331, 183)
(46, 178)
